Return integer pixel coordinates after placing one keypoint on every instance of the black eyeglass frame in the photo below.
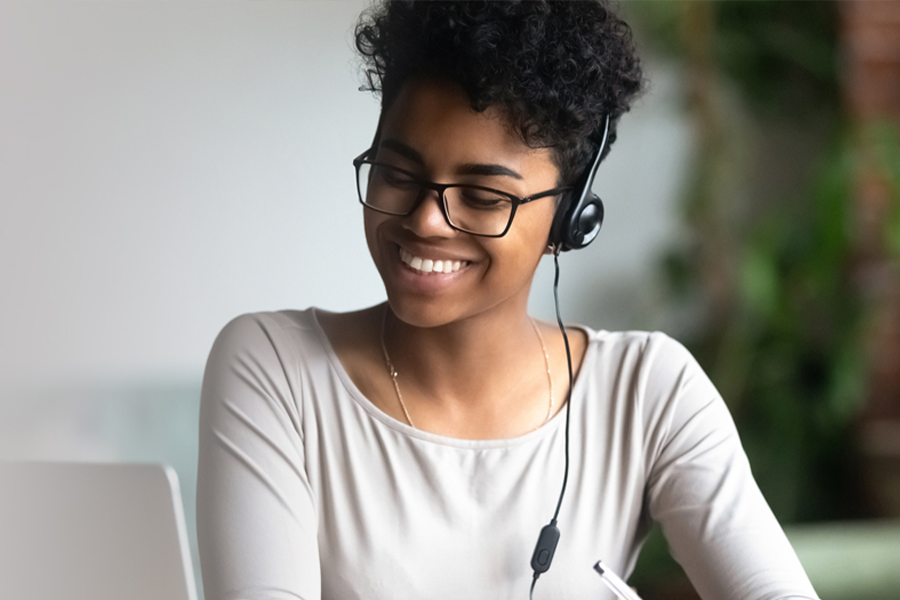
(440, 188)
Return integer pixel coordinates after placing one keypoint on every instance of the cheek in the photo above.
(526, 241)
(536, 223)
(371, 222)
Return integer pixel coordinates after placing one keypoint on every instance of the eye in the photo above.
(483, 199)
(395, 178)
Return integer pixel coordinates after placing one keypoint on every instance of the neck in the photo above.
(482, 364)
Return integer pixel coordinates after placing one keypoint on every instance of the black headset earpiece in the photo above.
(580, 213)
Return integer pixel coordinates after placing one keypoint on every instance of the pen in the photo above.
(615, 583)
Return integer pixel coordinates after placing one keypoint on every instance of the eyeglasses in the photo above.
(471, 209)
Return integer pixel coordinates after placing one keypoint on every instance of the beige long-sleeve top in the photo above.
(307, 490)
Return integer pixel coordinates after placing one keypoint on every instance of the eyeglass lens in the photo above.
(473, 209)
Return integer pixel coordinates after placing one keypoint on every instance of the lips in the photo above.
(429, 265)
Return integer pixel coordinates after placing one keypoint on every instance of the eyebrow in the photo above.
(484, 169)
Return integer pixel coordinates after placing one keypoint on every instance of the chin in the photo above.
(421, 313)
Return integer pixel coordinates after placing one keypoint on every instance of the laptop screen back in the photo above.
(92, 532)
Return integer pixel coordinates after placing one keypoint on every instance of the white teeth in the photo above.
(427, 265)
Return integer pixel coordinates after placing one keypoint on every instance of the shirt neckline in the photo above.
(373, 411)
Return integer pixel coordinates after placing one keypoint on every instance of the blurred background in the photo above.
(786, 278)
(165, 167)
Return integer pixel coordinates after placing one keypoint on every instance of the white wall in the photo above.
(166, 166)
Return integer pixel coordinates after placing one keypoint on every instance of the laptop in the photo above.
(92, 531)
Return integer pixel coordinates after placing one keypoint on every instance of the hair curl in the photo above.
(556, 68)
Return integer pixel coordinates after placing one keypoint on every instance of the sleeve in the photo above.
(256, 515)
(700, 488)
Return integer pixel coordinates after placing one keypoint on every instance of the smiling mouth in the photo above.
(427, 265)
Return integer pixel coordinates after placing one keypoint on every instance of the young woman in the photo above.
(415, 449)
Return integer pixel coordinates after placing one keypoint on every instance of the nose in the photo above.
(428, 218)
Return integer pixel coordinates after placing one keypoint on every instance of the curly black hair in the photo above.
(556, 68)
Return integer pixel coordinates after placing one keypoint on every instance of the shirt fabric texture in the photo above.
(307, 490)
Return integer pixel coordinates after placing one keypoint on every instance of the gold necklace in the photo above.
(393, 372)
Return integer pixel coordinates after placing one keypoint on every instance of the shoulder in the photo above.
(658, 391)
(642, 354)
(266, 339)
(260, 361)
(651, 373)
(251, 326)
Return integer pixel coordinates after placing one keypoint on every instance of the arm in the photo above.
(256, 517)
(700, 488)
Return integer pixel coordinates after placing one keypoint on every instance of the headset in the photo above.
(580, 214)
(575, 225)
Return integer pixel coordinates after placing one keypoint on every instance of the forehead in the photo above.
(436, 119)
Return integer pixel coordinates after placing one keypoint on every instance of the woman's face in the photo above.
(431, 130)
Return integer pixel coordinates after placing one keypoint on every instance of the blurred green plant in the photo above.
(791, 355)
(780, 53)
